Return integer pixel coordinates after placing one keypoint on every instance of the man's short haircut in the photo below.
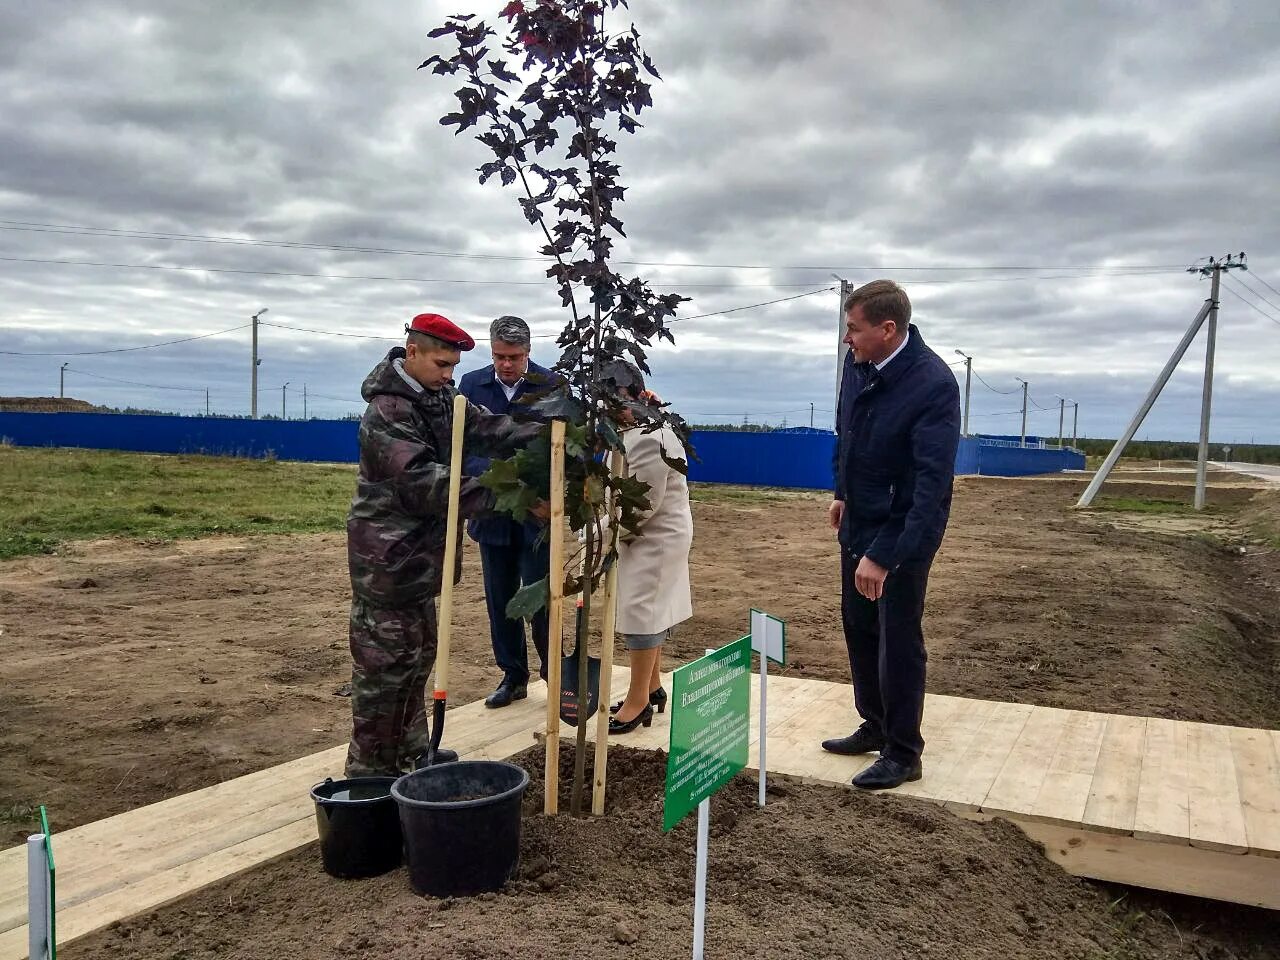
(512, 330)
(881, 300)
(425, 341)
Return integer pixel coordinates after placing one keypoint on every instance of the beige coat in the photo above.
(653, 569)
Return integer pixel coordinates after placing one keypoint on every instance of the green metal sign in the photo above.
(710, 727)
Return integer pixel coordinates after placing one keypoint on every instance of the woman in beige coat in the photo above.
(653, 572)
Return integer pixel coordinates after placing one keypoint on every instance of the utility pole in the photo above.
(284, 401)
(206, 401)
(1075, 425)
(253, 390)
(810, 414)
(968, 378)
(304, 401)
(1212, 268)
(842, 348)
(1062, 415)
(62, 380)
(1025, 385)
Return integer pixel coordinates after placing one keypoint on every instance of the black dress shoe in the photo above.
(862, 740)
(443, 755)
(886, 774)
(657, 699)
(643, 718)
(507, 692)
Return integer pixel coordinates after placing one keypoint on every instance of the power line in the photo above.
(751, 306)
(326, 333)
(134, 383)
(85, 230)
(339, 399)
(1252, 306)
(1267, 285)
(96, 353)
(1240, 280)
(993, 389)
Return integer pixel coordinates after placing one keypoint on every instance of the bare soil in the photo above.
(821, 872)
(45, 405)
(136, 671)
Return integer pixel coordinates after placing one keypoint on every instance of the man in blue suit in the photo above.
(509, 552)
(897, 426)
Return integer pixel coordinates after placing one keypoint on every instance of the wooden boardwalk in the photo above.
(1187, 807)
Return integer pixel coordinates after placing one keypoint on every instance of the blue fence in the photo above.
(780, 459)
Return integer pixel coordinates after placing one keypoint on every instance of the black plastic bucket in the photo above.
(461, 825)
(358, 825)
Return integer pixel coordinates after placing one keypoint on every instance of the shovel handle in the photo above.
(444, 623)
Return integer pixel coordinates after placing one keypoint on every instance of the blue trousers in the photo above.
(506, 569)
(887, 655)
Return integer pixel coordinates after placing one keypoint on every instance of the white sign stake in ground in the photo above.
(769, 639)
(42, 938)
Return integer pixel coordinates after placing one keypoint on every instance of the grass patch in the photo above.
(52, 495)
(720, 493)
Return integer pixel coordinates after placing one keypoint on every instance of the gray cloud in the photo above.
(810, 134)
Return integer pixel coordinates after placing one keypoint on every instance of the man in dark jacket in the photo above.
(897, 426)
(511, 553)
(396, 537)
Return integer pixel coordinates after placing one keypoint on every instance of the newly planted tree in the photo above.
(547, 96)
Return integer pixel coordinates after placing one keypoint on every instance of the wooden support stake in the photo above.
(555, 621)
(610, 601)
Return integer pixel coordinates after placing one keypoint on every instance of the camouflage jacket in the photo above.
(396, 528)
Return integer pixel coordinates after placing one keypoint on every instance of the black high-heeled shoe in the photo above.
(643, 718)
(657, 698)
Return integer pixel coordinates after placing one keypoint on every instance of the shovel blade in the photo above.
(569, 689)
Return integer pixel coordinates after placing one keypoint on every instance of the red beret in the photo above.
(442, 328)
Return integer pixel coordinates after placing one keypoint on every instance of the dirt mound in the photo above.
(822, 872)
(44, 405)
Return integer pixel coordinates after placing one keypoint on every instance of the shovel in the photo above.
(444, 623)
(569, 674)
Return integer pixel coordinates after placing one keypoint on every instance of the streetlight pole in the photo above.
(968, 379)
(62, 380)
(284, 401)
(253, 389)
(1062, 416)
(1025, 385)
(1075, 425)
(304, 401)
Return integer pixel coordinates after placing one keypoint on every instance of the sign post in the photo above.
(42, 938)
(710, 736)
(769, 639)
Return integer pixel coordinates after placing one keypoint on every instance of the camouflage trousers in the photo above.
(392, 653)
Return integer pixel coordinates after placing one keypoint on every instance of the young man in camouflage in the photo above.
(396, 537)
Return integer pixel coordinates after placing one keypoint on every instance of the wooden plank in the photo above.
(1064, 795)
(795, 746)
(166, 886)
(942, 757)
(982, 760)
(1018, 784)
(1113, 793)
(1213, 796)
(1257, 766)
(148, 839)
(1193, 871)
(1163, 810)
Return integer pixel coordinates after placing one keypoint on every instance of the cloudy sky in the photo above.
(1037, 177)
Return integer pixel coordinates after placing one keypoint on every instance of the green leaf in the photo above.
(528, 600)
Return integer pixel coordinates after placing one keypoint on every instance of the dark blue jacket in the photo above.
(482, 387)
(896, 438)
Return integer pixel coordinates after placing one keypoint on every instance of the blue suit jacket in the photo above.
(482, 387)
(897, 433)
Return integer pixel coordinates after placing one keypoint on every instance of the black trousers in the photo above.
(887, 655)
(505, 569)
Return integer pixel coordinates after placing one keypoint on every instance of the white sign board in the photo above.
(768, 636)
